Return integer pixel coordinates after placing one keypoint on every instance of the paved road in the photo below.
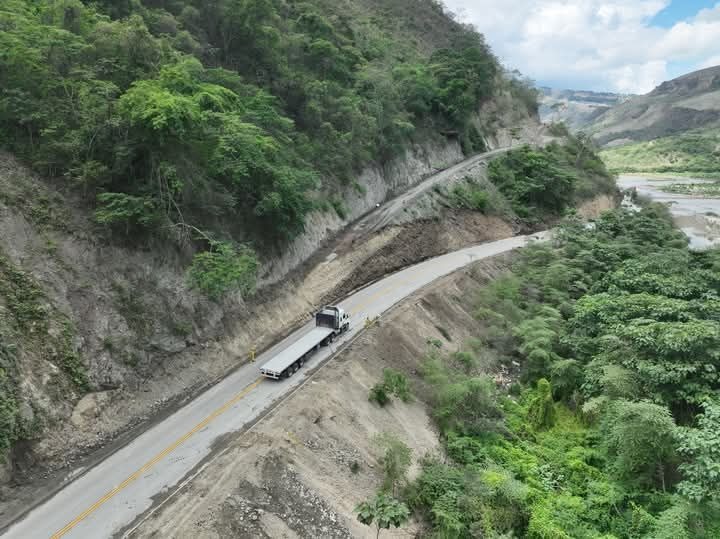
(384, 215)
(110, 496)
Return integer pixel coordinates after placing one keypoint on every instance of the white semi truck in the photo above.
(329, 323)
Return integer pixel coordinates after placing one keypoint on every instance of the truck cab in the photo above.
(334, 318)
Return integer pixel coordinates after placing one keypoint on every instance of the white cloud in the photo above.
(602, 44)
(711, 62)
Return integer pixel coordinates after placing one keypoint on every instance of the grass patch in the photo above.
(704, 190)
(694, 152)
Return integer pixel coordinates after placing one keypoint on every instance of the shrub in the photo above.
(379, 394)
(541, 412)
(126, 212)
(469, 196)
(394, 383)
(223, 269)
(384, 510)
(339, 208)
(395, 460)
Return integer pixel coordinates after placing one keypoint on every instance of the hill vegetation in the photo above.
(542, 183)
(221, 121)
(613, 431)
(694, 152)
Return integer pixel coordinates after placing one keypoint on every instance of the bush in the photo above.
(541, 412)
(379, 394)
(395, 460)
(469, 196)
(339, 208)
(126, 212)
(394, 383)
(224, 269)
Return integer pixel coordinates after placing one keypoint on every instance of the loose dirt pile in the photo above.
(301, 471)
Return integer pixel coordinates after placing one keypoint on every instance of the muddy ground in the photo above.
(301, 471)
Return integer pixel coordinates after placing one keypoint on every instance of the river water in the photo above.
(698, 217)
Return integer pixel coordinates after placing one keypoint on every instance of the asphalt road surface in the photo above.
(384, 215)
(111, 496)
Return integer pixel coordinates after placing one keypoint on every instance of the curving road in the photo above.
(108, 498)
(384, 215)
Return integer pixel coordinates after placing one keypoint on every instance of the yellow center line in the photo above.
(157, 458)
(169, 449)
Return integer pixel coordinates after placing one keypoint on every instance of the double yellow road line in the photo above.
(157, 458)
(177, 443)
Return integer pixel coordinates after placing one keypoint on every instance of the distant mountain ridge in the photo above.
(686, 103)
(575, 108)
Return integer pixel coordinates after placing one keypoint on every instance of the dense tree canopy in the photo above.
(223, 115)
(614, 432)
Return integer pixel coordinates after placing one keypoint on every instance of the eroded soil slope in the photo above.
(292, 474)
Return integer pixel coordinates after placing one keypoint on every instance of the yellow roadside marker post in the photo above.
(252, 354)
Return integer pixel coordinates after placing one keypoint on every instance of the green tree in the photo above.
(223, 269)
(640, 436)
(701, 447)
(393, 383)
(384, 510)
(541, 410)
(463, 404)
(395, 460)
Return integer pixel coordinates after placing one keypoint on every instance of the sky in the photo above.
(625, 46)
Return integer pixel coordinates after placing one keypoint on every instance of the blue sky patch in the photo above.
(680, 10)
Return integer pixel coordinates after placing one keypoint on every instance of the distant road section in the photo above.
(109, 497)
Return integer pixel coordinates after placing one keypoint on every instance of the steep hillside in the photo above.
(231, 121)
(688, 102)
(99, 338)
(576, 109)
(194, 171)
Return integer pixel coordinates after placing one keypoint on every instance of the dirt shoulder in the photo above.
(292, 474)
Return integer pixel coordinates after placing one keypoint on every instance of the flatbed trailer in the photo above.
(330, 322)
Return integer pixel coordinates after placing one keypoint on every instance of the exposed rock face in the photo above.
(374, 185)
(576, 108)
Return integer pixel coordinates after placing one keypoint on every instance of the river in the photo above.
(698, 217)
